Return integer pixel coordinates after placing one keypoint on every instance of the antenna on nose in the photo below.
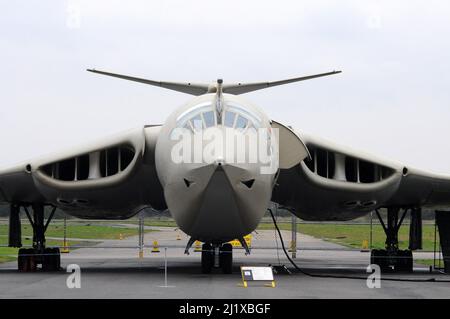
(219, 100)
(219, 87)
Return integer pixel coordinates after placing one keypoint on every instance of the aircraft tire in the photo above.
(379, 257)
(21, 260)
(207, 258)
(30, 264)
(226, 258)
(404, 261)
(51, 260)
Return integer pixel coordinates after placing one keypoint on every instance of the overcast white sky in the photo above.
(392, 99)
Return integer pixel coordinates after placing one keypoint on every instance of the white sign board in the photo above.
(257, 273)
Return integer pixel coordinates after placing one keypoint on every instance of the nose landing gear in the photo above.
(217, 256)
(226, 258)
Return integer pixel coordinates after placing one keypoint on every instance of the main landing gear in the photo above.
(217, 256)
(392, 258)
(39, 254)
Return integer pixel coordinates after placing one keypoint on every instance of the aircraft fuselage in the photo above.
(214, 186)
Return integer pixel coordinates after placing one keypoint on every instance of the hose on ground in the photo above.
(339, 276)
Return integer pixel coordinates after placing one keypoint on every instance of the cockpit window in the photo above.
(198, 117)
(244, 116)
(229, 119)
(241, 122)
(204, 115)
(210, 119)
(197, 122)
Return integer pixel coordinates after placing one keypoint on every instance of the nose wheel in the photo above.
(207, 258)
(224, 260)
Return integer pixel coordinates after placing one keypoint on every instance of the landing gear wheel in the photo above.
(226, 258)
(31, 264)
(58, 258)
(392, 259)
(51, 260)
(27, 260)
(409, 263)
(207, 258)
(401, 261)
(404, 261)
(379, 257)
(21, 260)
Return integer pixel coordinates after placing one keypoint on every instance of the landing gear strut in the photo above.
(30, 258)
(217, 256)
(392, 258)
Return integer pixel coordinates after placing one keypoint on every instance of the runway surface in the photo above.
(112, 271)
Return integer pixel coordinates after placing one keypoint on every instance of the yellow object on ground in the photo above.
(292, 247)
(155, 248)
(120, 236)
(198, 246)
(365, 244)
(237, 243)
(65, 248)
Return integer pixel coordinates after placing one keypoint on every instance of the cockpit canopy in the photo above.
(204, 115)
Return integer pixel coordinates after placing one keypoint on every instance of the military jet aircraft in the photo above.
(217, 199)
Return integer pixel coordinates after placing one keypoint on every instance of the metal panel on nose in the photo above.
(218, 209)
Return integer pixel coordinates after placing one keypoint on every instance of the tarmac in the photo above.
(113, 269)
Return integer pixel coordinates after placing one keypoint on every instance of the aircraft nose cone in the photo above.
(218, 215)
(218, 202)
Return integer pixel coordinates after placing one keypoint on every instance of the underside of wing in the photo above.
(421, 188)
(338, 183)
(111, 178)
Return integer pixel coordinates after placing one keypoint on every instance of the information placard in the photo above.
(253, 273)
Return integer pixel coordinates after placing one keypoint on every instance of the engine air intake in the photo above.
(332, 165)
(94, 165)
